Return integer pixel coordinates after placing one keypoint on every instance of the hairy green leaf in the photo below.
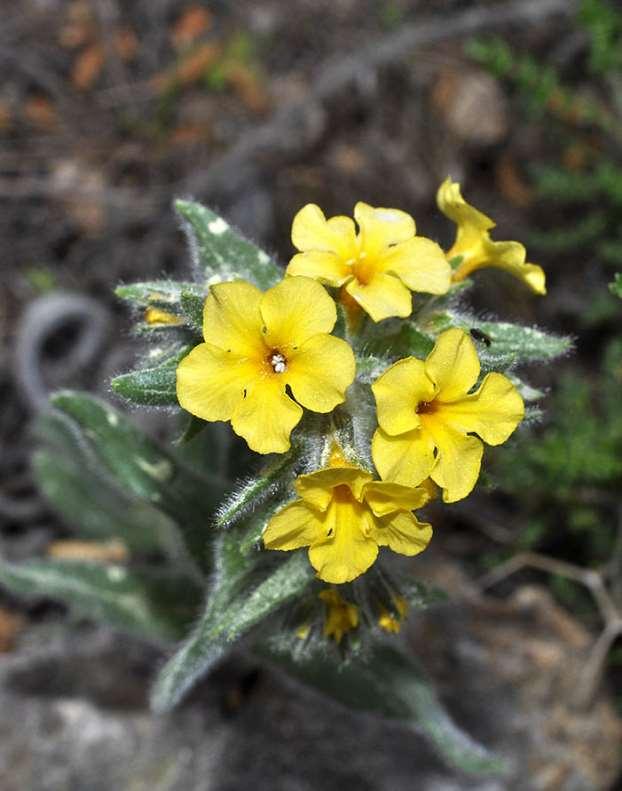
(220, 252)
(143, 469)
(616, 286)
(233, 608)
(156, 604)
(387, 682)
(192, 307)
(165, 294)
(96, 508)
(501, 344)
(256, 490)
(155, 386)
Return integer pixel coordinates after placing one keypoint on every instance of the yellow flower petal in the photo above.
(493, 412)
(382, 227)
(295, 310)
(402, 533)
(293, 527)
(382, 297)
(471, 222)
(477, 249)
(231, 318)
(211, 382)
(398, 391)
(266, 417)
(316, 488)
(406, 459)
(453, 364)
(348, 549)
(420, 264)
(385, 498)
(341, 616)
(311, 231)
(320, 372)
(511, 257)
(459, 459)
(328, 268)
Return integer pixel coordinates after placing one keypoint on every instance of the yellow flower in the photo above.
(392, 622)
(256, 346)
(427, 417)
(341, 616)
(343, 516)
(159, 316)
(377, 266)
(474, 245)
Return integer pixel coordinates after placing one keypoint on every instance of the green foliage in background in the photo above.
(584, 124)
(573, 472)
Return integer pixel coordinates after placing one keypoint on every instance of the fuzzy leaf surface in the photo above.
(96, 508)
(501, 344)
(141, 468)
(239, 599)
(388, 682)
(154, 604)
(165, 294)
(220, 252)
(155, 386)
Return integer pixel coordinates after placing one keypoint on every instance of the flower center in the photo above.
(426, 407)
(277, 361)
(362, 267)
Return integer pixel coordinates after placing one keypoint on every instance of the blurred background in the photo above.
(108, 111)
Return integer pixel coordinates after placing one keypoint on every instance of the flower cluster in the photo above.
(269, 355)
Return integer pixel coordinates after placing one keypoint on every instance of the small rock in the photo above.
(472, 106)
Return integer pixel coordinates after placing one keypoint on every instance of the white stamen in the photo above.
(278, 363)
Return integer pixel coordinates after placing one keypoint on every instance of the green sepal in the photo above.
(222, 253)
(153, 386)
(254, 491)
(192, 308)
(385, 681)
(140, 467)
(152, 603)
(165, 294)
(241, 596)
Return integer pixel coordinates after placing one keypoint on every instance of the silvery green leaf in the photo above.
(240, 598)
(387, 682)
(192, 308)
(97, 509)
(153, 603)
(154, 385)
(616, 286)
(254, 491)
(143, 469)
(220, 252)
(165, 294)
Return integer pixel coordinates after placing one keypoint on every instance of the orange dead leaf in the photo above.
(511, 184)
(6, 116)
(126, 43)
(91, 551)
(87, 67)
(195, 21)
(40, 112)
(79, 28)
(188, 69)
(10, 626)
(248, 87)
